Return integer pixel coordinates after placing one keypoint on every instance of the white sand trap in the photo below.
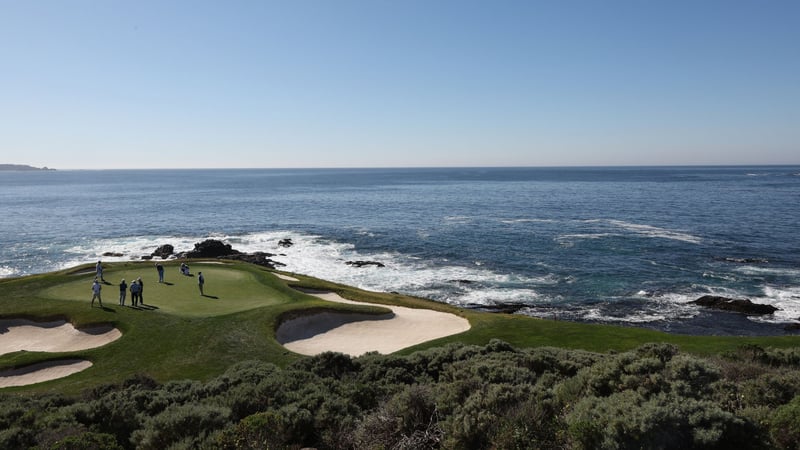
(46, 371)
(356, 334)
(56, 336)
(285, 277)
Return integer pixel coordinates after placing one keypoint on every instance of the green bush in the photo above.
(785, 425)
(691, 377)
(627, 420)
(265, 430)
(178, 423)
(88, 441)
(408, 420)
(452, 397)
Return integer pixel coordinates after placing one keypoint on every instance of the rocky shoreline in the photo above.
(213, 248)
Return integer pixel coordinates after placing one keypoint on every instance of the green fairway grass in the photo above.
(179, 334)
(226, 291)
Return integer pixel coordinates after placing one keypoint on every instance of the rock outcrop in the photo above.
(743, 306)
(213, 248)
(257, 258)
(163, 251)
(364, 263)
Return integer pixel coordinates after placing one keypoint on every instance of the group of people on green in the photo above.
(137, 286)
(137, 292)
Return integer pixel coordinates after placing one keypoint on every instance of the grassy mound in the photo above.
(179, 334)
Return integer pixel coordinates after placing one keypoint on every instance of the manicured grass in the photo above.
(180, 334)
(226, 291)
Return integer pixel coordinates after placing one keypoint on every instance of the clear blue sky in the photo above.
(327, 83)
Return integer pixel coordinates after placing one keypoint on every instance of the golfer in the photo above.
(200, 282)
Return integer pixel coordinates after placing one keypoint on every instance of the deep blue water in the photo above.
(621, 245)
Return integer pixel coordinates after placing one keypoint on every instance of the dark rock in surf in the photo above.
(285, 242)
(364, 263)
(742, 306)
(112, 254)
(257, 258)
(792, 327)
(462, 281)
(164, 251)
(502, 308)
(147, 257)
(211, 248)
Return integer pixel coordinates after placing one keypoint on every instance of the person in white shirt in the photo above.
(96, 288)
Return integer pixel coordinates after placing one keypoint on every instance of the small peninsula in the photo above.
(21, 168)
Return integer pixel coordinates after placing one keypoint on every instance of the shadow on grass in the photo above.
(143, 307)
(211, 296)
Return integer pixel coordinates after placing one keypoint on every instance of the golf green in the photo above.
(227, 290)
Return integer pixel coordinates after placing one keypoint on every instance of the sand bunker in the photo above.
(356, 334)
(285, 277)
(57, 336)
(46, 371)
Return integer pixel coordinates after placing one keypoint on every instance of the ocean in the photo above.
(619, 245)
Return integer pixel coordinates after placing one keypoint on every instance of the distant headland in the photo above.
(21, 167)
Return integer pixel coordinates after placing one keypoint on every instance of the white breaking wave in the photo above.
(500, 296)
(130, 248)
(455, 284)
(6, 272)
(786, 299)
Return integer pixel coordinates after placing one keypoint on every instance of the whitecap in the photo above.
(458, 219)
(655, 232)
(761, 270)
(718, 276)
(513, 221)
(580, 236)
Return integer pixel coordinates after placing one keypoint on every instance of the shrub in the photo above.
(408, 420)
(88, 441)
(178, 423)
(265, 430)
(691, 377)
(771, 389)
(628, 420)
(17, 437)
(247, 372)
(327, 365)
(785, 425)
(535, 423)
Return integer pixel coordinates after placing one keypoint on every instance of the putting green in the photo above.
(227, 290)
